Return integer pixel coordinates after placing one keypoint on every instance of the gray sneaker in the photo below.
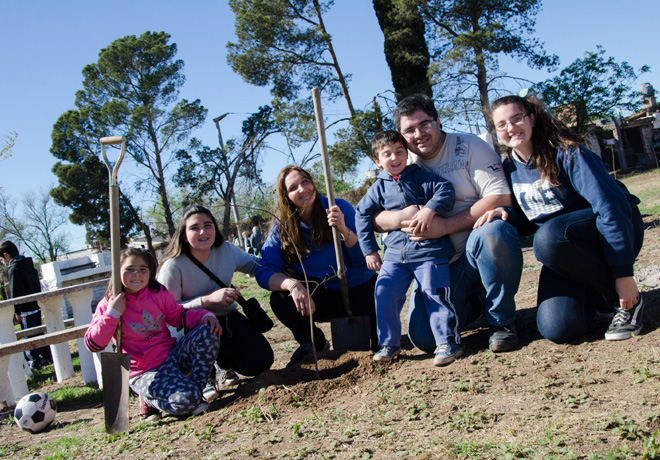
(227, 377)
(387, 353)
(201, 408)
(503, 338)
(210, 392)
(446, 353)
(626, 323)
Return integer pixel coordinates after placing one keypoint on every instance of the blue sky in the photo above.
(44, 46)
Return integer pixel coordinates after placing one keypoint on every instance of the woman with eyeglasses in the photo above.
(587, 227)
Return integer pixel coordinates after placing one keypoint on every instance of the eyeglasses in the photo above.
(422, 127)
(515, 121)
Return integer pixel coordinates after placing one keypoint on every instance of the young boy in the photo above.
(398, 186)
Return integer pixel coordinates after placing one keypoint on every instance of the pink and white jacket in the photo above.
(145, 336)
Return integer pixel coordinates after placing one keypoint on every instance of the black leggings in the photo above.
(242, 347)
(329, 304)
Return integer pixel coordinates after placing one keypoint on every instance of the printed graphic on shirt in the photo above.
(536, 200)
(150, 325)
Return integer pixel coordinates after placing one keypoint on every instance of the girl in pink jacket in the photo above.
(168, 375)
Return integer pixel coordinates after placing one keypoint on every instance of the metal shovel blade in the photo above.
(115, 367)
(351, 333)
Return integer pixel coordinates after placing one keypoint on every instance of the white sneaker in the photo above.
(201, 408)
(227, 377)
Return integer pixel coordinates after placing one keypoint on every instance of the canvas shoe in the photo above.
(148, 413)
(446, 353)
(210, 392)
(626, 323)
(227, 377)
(386, 353)
(304, 350)
(201, 408)
(503, 338)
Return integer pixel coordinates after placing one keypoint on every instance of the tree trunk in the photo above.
(405, 46)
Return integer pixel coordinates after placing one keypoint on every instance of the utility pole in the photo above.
(237, 216)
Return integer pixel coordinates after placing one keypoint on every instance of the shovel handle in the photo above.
(114, 218)
(113, 169)
(320, 127)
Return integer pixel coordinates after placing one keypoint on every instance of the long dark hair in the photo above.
(152, 265)
(548, 134)
(288, 219)
(179, 244)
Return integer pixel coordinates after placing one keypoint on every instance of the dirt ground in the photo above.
(590, 399)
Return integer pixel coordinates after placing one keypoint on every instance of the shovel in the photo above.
(115, 366)
(350, 332)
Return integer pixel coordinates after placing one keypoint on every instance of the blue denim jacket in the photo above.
(413, 187)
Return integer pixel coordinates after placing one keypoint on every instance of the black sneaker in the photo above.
(626, 323)
(503, 338)
(304, 350)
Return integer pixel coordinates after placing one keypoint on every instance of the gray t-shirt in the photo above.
(475, 171)
(188, 283)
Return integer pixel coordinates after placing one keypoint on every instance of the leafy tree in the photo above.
(353, 141)
(467, 36)
(39, 227)
(593, 87)
(285, 44)
(405, 46)
(83, 180)
(210, 175)
(133, 90)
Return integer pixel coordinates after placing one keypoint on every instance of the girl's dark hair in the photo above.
(548, 134)
(385, 138)
(178, 244)
(288, 220)
(152, 265)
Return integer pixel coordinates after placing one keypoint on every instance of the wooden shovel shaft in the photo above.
(320, 127)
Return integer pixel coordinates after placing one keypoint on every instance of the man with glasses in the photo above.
(486, 268)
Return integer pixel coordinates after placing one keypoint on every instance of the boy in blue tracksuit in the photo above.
(398, 186)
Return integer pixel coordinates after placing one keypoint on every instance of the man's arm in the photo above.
(389, 221)
(464, 220)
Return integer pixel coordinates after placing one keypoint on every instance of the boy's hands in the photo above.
(373, 261)
(422, 220)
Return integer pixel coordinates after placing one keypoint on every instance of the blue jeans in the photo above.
(575, 279)
(393, 282)
(484, 281)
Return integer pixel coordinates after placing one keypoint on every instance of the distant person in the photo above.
(167, 374)
(24, 280)
(588, 229)
(400, 185)
(246, 241)
(256, 241)
(300, 244)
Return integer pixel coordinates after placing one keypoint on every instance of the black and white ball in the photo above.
(34, 412)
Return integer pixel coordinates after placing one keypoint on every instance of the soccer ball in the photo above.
(34, 412)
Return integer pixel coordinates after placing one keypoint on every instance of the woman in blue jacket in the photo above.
(300, 245)
(588, 228)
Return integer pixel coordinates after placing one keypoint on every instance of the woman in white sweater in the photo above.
(243, 349)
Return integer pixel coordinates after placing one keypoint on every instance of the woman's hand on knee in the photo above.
(627, 290)
(212, 322)
(302, 300)
(497, 213)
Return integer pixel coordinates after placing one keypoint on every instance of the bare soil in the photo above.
(589, 399)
